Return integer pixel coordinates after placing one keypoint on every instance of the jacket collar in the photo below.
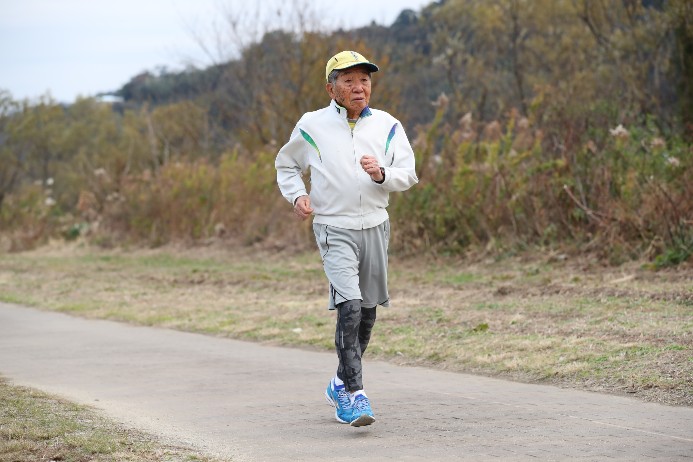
(343, 112)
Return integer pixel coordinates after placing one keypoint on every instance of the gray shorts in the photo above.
(355, 263)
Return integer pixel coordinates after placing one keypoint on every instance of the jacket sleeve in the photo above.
(291, 163)
(401, 175)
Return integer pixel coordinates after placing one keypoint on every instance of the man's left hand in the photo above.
(370, 165)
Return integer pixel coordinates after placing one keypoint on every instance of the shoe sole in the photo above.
(329, 400)
(363, 420)
(336, 416)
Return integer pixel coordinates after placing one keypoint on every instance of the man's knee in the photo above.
(349, 313)
(368, 315)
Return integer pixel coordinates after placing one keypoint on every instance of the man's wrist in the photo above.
(382, 172)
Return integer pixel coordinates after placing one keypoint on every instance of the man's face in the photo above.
(352, 90)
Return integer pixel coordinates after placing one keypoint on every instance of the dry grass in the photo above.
(35, 426)
(539, 318)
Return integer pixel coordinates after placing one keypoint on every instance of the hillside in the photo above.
(535, 123)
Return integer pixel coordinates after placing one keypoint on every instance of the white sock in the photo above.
(337, 382)
(356, 393)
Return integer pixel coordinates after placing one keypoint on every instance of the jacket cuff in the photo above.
(297, 195)
(382, 170)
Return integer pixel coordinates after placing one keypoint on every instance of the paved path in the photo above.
(255, 402)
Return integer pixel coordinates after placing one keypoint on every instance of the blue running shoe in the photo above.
(339, 398)
(362, 414)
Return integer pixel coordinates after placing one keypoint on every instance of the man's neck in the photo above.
(351, 114)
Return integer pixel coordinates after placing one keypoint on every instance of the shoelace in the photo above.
(361, 403)
(343, 398)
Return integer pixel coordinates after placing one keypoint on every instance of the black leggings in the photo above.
(354, 326)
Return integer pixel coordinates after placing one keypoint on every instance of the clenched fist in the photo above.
(370, 165)
(302, 208)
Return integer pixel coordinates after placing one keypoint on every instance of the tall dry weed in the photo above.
(195, 200)
(625, 193)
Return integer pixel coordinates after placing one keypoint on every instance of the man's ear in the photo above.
(330, 89)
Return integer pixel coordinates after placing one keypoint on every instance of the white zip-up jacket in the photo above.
(341, 193)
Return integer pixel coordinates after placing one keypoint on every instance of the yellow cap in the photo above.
(346, 59)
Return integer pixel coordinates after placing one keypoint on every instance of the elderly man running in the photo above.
(356, 156)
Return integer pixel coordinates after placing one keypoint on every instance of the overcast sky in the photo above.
(84, 47)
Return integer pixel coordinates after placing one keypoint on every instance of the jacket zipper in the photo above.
(356, 162)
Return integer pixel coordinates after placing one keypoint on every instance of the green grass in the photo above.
(461, 278)
(522, 317)
(35, 426)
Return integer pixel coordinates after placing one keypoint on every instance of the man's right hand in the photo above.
(302, 207)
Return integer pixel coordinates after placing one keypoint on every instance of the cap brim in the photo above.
(370, 66)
